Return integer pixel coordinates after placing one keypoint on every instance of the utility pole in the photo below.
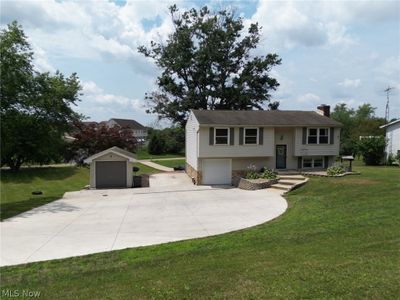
(387, 91)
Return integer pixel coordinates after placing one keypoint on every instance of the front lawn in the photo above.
(144, 154)
(53, 182)
(339, 239)
(171, 163)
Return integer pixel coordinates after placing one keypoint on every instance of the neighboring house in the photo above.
(392, 138)
(221, 144)
(138, 130)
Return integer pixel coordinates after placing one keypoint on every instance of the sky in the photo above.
(332, 52)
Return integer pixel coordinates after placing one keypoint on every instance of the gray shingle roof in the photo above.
(263, 118)
(129, 123)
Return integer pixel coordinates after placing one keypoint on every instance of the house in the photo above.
(221, 144)
(111, 168)
(392, 138)
(138, 130)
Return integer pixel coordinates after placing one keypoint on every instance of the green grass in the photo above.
(171, 163)
(17, 188)
(144, 154)
(339, 239)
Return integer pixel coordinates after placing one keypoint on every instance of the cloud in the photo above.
(308, 97)
(97, 96)
(350, 83)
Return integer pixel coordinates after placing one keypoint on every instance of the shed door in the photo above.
(217, 171)
(110, 174)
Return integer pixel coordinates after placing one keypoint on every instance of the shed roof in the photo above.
(390, 124)
(263, 118)
(116, 150)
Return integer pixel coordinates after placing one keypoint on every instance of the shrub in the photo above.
(335, 169)
(372, 149)
(251, 172)
(267, 174)
(156, 144)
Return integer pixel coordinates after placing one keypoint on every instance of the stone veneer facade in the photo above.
(192, 173)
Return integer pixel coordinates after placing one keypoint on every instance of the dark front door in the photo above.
(110, 174)
(281, 156)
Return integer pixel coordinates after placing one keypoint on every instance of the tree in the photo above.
(91, 139)
(360, 122)
(207, 64)
(167, 140)
(372, 149)
(35, 107)
(156, 143)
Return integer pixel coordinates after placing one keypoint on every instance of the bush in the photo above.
(267, 174)
(168, 140)
(251, 172)
(336, 169)
(372, 149)
(156, 144)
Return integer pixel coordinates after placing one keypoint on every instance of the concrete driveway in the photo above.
(91, 221)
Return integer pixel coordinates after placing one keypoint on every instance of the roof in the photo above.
(263, 118)
(128, 123)
(116, 150)
(390, 124)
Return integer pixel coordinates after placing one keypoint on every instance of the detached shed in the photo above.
(111, 168)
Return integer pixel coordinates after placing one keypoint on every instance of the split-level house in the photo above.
(138, 130)
(221, 144)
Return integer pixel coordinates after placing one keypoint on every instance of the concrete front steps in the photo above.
(287, 183)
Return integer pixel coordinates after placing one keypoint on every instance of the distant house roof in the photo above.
(390, 124)
(263, 118)
(116, 150)
(128, 123)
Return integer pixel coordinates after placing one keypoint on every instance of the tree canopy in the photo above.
(36, 108)
(206, 63)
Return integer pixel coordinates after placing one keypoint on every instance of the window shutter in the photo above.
(261, 135)
(332, 135)
(326, 161)
(211, 135)
(241, 135)
(299, 162)
(232, 136)
(304, 135)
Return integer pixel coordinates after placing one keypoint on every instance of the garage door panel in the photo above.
(110, 174)
(217, 171)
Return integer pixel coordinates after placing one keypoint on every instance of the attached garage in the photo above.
(111, 168)
(217, 171)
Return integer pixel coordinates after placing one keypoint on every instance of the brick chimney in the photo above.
(324, 110)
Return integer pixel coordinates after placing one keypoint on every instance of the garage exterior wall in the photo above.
(191, 141)
(111, 157)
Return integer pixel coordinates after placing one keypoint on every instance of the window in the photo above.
(312, 136)
(318, 136)
(313, 162)
(221, 136)
(323, 135)
(307, 163)
(251, 136)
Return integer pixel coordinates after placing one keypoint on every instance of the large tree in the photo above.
(35, 107)
(206, 63)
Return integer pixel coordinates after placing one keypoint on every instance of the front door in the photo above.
(281, 156)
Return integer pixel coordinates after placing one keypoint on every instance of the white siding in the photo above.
(393, 139)
(310, 150)
(240, 164)
(191, 140)
(206, 150)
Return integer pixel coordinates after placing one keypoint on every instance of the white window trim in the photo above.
(215, 136)
(312, 162)
(318, 128)
(244, 136)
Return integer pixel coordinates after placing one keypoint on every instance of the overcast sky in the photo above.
(331, 51)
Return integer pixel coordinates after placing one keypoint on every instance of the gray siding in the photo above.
(313, 150)
(208, 151)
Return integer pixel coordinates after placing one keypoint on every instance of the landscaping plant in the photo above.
(251, 172)
(336, 169)
(267, 174)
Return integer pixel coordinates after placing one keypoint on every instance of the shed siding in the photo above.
(191, 140)
(393, 139)
(310, 150)
(219, 151)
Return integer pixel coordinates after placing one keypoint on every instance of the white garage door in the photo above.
(217, 171)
